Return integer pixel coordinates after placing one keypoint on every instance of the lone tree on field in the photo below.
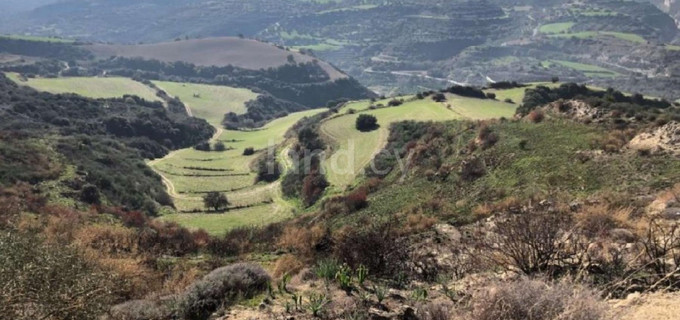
(215, 200)
(366, 122)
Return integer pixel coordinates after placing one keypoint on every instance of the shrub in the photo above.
(287, 265)
(222, 286)
(249, 151)
(43, 281)
(536, 116)
(142, 310)
(508, 100)
(528, 243)
(90, 194)
(357, 200)
(377, 247)
(537, 300)
(491, 95)
(313, 186)
(487, 138)
(366, 122)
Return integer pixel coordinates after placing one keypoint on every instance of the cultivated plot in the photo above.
(92, 87)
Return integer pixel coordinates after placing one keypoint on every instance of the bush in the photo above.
(249, 151)
(395, 103)
(142, 310)
(366, 122)
(220, 287)
(491, 95)
(536, 116)
(536, 300)
(41, 281)
(528, 243)
(377, 247)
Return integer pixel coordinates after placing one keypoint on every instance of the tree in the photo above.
(439, 97)
(366, 122)
(215, 200)
(555, 79)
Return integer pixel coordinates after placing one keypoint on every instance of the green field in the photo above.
(113, 87)
(553, 28)
(190, 173)
(37, 39)
(588, 69)
(593, 34)
(353, 150)
(209, 102)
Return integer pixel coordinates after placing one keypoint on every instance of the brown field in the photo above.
(223, 51)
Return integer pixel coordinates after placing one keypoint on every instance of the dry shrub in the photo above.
(372, 184)
(536, 300)
(436, 311)
(486, 137)
(109, 240)
(598, 220)
(528, 243)
(180, 278)
(483, 210)
(62, 223)
(167, 238)
(417, 223)
(142, 310)
(137, 279)
(304, 241)
(615, 140)
(377, 246)
(536, 116)
(288, 264)
(246, 239)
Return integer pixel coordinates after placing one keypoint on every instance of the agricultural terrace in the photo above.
(190, 174)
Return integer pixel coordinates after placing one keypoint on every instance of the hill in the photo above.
(220, 52)
(402, 46)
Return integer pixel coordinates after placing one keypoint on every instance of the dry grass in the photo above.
(536, 300)
(287, 265)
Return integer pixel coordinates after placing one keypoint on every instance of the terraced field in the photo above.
(587, 69)
(209, 102)
(190, 173)
(353, 150)
(92, 87)
(593, 34)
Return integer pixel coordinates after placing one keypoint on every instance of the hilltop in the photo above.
(219, 52)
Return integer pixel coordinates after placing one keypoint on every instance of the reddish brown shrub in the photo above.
(536, 116)
(357, 200)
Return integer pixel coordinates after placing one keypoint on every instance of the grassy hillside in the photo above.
(352, 149)
(529, 159)
(89, 86)
(224, 51)
(209, 102)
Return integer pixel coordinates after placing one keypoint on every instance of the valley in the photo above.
(339, 159)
